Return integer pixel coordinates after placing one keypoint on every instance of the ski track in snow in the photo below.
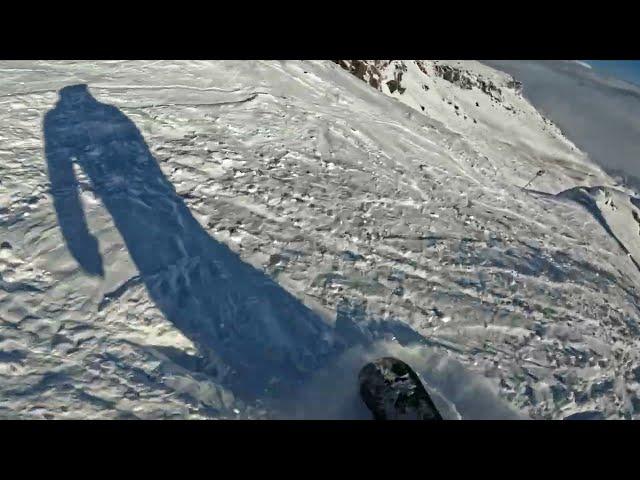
(255, 254)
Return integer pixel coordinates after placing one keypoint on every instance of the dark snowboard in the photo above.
(393, 391)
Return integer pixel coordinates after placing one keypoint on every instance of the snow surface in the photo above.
(236, 239)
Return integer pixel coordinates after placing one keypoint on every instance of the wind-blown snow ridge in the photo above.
(379, 222)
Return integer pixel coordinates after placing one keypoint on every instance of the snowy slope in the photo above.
(255, 231)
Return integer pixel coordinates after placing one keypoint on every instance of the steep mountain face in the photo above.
(487, 109)
(237, 239)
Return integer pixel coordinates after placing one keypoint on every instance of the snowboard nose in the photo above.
(393, 391)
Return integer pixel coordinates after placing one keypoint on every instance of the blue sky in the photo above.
(628, 70)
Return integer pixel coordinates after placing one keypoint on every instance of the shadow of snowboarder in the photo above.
(230, 310)
(237, 316)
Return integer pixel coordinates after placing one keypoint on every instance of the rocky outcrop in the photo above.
(369, 71)
(515, 85)
(373, 72)
(488, 87)
(466, 80)
(394, 85)
(454, 75)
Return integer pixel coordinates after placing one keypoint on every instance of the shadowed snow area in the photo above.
(226, 307)
(237, 239)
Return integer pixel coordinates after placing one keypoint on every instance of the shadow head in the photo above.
(75, 94)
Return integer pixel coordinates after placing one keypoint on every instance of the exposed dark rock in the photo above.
(423, 69)
(490, 89)
(515, 85)
(464, 79)
(395, 85)
(454, 75)
(368, 71)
